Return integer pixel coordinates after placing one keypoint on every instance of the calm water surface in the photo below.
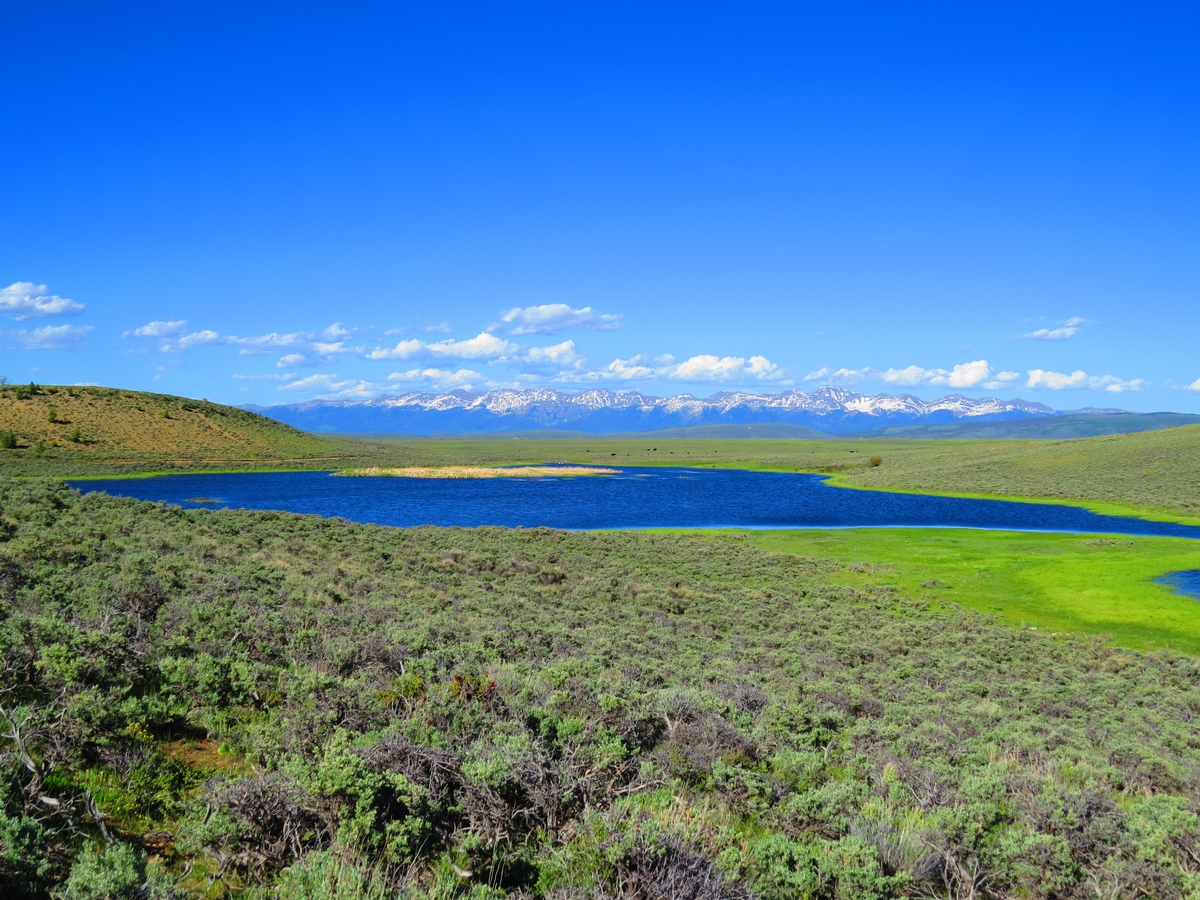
(1186, 583)
(636, 498)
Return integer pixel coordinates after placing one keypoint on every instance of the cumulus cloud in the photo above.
(627, 369)
(1051, 334)
(26, 300)
(964, 375)
(195, 339)
(157, 329)
(704, 367)
(1001, 380)
(1194, 386)
(335, 331)
(283, 376)
(1060, 381)
(557, 356)
(551, 317)
(332, 386)
(307, 348)
(484, 346)
(725, 368)
(1065, 330)
(438, 378)
(826, 375)
(267, 343)
(50, 337)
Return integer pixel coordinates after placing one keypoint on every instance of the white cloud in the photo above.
(1065, 330)
(24, 300)
(1194, 386)
(157, 329)
(195, 339)
(964, 375)
(642, 367)
(331, 385)
(725, 368)
(839, 376)
(285, 376)
(335, 331)
(403, 350)
(51, 337)
(1001, 380)
(439, 378)
(484, 346)
(307, 348)
(1051, 334)
(627, 369)
(266, 343)
(1059, 381)
(551, 317)
(316, 354)
(558, 356)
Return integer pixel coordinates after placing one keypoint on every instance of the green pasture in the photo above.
(1051, 582)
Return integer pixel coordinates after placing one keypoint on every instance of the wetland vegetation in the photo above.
(125, 433)
(211, 703)
(280, 703)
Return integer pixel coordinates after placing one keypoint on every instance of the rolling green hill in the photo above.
(1048, 427)
(128, 432)
(279, 707)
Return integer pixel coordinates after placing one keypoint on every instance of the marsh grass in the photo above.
(119, 433)
(530, 713)
(478, 471)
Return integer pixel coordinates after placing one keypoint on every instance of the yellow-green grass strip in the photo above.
(1094, 584)
(477, 471)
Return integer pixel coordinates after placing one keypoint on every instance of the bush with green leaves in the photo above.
(311, 707)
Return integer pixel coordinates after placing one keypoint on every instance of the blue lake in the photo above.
(1186, 583)
(636, 498)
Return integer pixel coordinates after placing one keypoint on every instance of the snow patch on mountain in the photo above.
(829, 408)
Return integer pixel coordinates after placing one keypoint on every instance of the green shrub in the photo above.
(23, 864)
(105, 873)
(875, 460)
(325, 876)
(8, 440)
(52, 415)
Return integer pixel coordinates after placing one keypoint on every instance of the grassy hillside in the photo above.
(98, 431)
(1076, 425)
(1152, 471)
(124, 432)
(308, 708)
(104, 421)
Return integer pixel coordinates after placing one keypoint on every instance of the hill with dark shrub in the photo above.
(209, 701)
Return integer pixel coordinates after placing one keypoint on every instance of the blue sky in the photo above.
(270, 203)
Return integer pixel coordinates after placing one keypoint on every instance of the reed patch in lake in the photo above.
(478, 471)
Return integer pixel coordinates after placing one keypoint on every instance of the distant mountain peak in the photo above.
(829, 408)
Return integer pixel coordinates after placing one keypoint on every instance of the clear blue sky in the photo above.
(273, 202)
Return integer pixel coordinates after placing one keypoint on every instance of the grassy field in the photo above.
(281, 707)
(1055, 583)
(126, 432)
(77, 425)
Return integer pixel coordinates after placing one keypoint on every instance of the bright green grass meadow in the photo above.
(220, 704)
(1051, 582)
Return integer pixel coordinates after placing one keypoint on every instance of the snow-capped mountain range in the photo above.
(831, 409)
